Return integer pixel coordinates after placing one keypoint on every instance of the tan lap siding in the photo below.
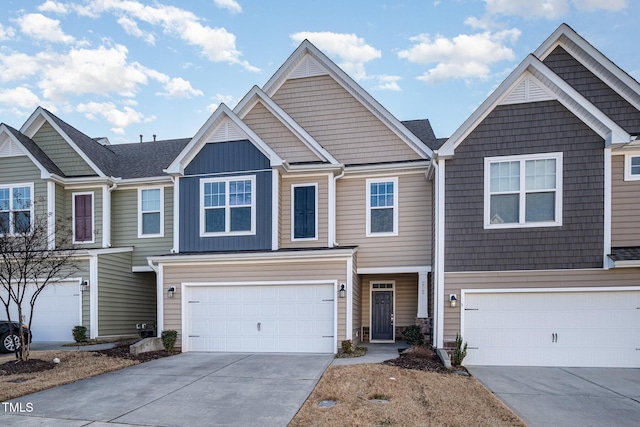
(454, 282)
(625, 206)
(175, 275)
(412, 245)
(323, 211)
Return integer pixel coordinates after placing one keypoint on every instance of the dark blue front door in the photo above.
(382, 315)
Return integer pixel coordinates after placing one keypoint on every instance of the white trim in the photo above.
(141, 269)
(396, 197)
(93, 216)
(393, 293)
(386, 169)
(331, 210)
(628, 176)
(607, 209)
(11, 210)
(626, 263)
(106, 217)
(275, 209)
(522, 191)
(270, 256)
(44, 173)
(349, 308)
(160, 300)
(176, 215)
(394, 270)
(438, 278)
(93, 296)
(80, 293)
(103, 251)
(140, 213)
(227, 206)
(184, 301)
(51, 215)
(316, 209)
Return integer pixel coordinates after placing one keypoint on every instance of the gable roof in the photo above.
(31, 150)
(308, 60)
(423, 130)
(223, 125)
(147, 159)
(546, 85)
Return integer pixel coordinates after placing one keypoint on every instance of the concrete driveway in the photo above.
(566, 396)
(194, 389)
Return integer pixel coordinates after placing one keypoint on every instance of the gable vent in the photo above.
(8, 148)
(307, 68)
(227, 131)
(528, 89)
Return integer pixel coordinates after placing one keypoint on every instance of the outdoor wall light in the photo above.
(171, 291)
(343, 291)
(453, 300)
(84, 286)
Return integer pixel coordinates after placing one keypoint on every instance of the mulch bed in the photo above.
(424, 359)
(121, 350)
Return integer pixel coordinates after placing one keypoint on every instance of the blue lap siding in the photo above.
(219, 160)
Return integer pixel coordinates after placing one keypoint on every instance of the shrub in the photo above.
(79, 333)
(459, 352)
(169, 339)
(347, 346)
(413, 335)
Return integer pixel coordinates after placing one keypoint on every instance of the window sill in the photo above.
(523, 225)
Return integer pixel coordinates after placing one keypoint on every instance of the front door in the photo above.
(382, 315)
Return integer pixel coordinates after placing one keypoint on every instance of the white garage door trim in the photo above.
(465, 292)
(186, 285)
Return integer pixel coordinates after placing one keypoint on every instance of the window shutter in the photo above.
(304, 212)
(83, 218)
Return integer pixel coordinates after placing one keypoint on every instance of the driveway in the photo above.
(194, 389)
(566, 396)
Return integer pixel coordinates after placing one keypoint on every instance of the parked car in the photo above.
(8, 342)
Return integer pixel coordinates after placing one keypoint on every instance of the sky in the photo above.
(125, 68)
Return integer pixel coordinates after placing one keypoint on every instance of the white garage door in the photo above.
(598, 329)
(56, 312)
(261, 318)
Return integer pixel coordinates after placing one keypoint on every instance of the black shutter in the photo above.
(304, 212)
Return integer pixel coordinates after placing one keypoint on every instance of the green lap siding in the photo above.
(124, 298)
(21, 170)
(58, 150)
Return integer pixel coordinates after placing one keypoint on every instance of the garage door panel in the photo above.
(598, 328)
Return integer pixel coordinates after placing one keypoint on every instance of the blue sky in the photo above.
(121, 68)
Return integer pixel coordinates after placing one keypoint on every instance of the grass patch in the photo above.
(416, 398)
(355, 352)
(87, 342)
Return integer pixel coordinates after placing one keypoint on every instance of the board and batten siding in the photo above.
(223, 160)
(532, 128)
(340, 123)
(124, 298)
(124, 217)
(175, 275)
(61, 153)
(625, 207)
(454, 282)
(278, 136)
(412, 245)
(405, 297)
(286, 195)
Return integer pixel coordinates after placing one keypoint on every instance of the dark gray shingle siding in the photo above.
(526, 129)
(594, 89)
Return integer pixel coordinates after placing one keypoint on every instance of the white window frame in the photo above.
(396, 197)
(11, 210)
(93, 217)
(141, 234)
(522, 191)
(227, 232)
(293, 218)
(628, 176)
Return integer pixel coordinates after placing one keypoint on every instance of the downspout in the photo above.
(106, 214)
(176, 213)
(438, 277)
(333, 208)
(159, 296)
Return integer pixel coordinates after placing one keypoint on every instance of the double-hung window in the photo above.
(382, 207)
(227, 206)
(523, 191)
(632, 167)
(151, 212)
(16, 208)
(304, 211)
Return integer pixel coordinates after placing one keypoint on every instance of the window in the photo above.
(16, 208)
(523, 191)
(632, 167)
(151, 212)
(227, 206)
(382, 207)
(82, 217)
(304, 212)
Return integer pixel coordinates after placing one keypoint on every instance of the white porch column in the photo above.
(423, 294)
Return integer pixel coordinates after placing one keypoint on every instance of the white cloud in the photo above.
(592, 5)
(6, 33)
(216, 44)
(53, 6)
(40, 27)
(231, 5)
(550, 9)
(19, 98)
(226, 99)
(18, 66)
(131, 27)
(386, 82)
(119, 119)
(352, 50)
(464, 56)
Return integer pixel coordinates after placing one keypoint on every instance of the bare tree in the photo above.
(28, 261)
